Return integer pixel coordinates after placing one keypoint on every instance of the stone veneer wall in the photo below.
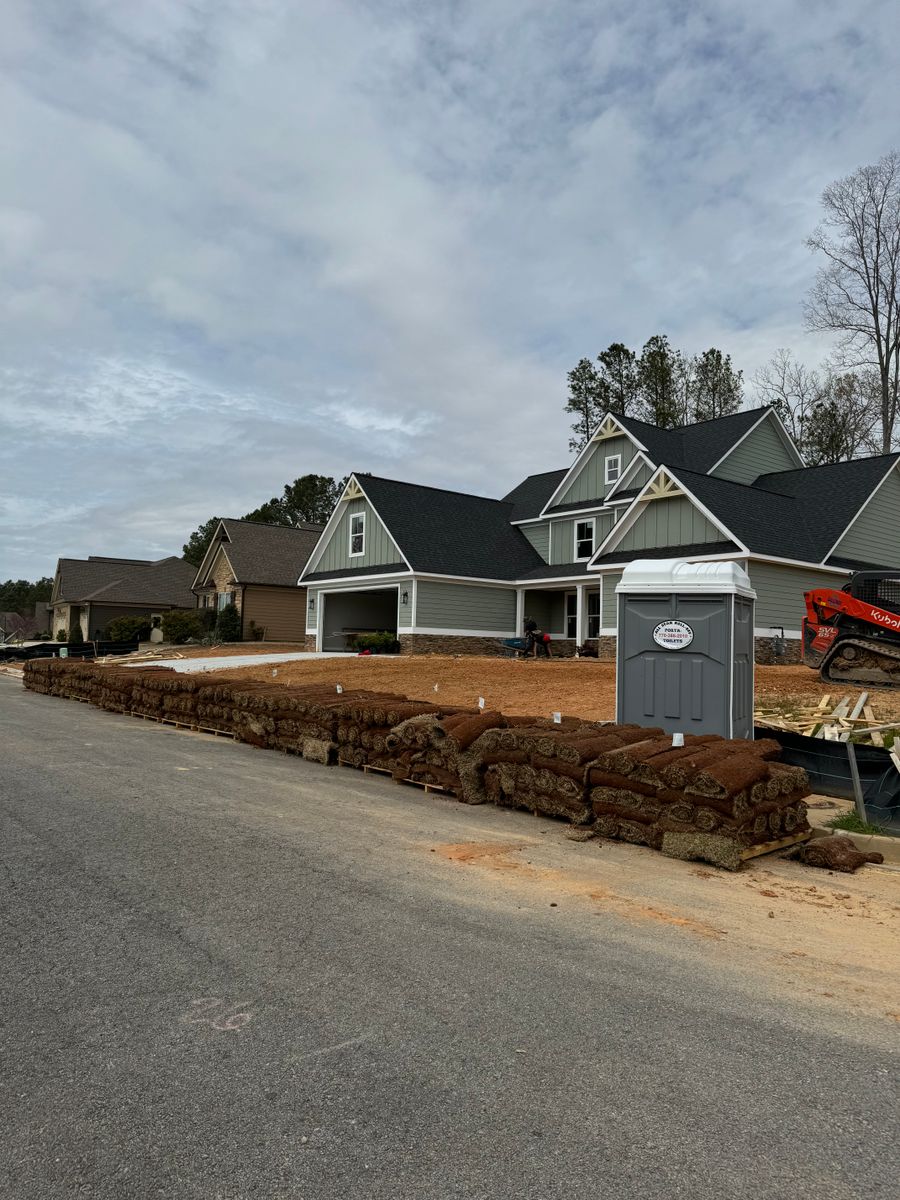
(791, 652)
(421, 643)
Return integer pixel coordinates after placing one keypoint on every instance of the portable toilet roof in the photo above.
(679, 575)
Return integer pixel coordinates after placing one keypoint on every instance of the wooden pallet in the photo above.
(419, 783)
(793, 839)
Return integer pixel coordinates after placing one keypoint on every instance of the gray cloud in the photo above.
(242, 241)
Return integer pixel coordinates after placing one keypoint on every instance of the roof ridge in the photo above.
(844, 462)
(717, 479)
(307, 525)
(430, 487)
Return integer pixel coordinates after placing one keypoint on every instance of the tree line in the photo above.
(309, 499)
(20, 595)
(847, 407)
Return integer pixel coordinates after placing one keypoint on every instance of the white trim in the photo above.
(355, 580)
(639, 460)
(361, 516)
(793, 635)
(868, 501)
(355, 491)
(608, 460)
(795, 562)
(212, 542)
(575, 470)
(498, 583)
(631, 517)
(520, 609)
(768, 412)
(592, 521)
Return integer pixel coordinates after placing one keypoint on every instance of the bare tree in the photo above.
(830, 414)
(857, 290)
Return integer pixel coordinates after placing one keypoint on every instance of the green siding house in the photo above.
(449, 572)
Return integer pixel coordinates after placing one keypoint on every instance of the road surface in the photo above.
(227, 973)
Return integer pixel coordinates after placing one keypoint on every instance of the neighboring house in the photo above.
(256, 568)
(94, 591)
(453, 573)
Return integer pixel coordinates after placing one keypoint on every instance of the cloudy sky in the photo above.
(242, 240)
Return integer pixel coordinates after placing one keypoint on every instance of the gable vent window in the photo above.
(584, 539)
(357, 534)
(613, 466)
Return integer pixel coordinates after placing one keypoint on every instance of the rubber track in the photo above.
(878, 649)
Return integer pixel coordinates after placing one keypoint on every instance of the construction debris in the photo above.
(839, 722)
(838, 853)
(717, 800)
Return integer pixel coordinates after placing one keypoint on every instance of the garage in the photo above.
(348, 613)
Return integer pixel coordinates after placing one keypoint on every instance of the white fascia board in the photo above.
(575, 470)
(498, 583)
(640, 459)
(893, 467)
(326, 533)
(619, 530)
(203, 567)
(349, 583)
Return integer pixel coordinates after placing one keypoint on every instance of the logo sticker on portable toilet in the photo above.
(673, 635)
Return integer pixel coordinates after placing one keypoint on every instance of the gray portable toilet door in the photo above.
(679, 690)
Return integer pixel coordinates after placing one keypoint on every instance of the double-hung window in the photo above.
(613, 468)
(584, 539)
(357, 534)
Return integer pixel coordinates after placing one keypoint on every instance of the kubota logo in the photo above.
(884, 618)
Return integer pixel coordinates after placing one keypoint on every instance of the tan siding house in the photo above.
(256, 567)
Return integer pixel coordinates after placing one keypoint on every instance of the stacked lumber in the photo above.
(712, 799)
(845, 720)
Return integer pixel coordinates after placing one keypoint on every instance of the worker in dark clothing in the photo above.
(530, 630)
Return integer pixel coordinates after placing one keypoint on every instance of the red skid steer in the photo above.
(853, 635)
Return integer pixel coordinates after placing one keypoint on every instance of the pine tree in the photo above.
(656, 372)
(585, 402)
(717, 388)
(618, 377)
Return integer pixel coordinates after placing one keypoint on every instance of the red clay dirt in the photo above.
(575, 687)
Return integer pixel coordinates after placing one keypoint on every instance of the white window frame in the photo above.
(360, 533)
(592, 521)
(613, 462)
(223, 599)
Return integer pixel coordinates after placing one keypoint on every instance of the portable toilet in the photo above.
(684, 651)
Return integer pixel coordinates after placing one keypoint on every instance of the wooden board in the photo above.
(767, 847)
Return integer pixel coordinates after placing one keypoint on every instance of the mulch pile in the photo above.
(711, 799)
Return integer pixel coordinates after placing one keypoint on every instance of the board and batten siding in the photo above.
(280, 611)
(779, 593)
(562, 541)
(590, 482)
(539, 536)
(761, 452)
(609, 618)
(465, 606)
(674, 522)
(874, 537)
(379, 546)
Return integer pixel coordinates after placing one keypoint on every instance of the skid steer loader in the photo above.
(853, 635)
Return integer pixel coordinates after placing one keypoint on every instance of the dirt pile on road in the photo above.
(711, 799)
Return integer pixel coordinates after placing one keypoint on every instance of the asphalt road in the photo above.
(227, 973)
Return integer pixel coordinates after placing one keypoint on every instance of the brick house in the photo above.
(256, 568)
(450, 572)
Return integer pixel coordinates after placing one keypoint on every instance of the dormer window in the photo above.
(357, 534)
(613, 464)
(584, 539)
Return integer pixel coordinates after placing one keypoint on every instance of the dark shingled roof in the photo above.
(529, 498)
(349, 572)
(697, 549)
(166, 582)
(451, 533)
(696, 447)
(269, 554)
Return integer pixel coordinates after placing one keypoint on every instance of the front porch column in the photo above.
(579, 614)
(520, 611)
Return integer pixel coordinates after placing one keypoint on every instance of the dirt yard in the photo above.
(574, 687)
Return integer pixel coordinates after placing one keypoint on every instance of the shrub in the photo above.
(181, 625)
(61, 634)
(377, 643)
(228, 625)
(76, 637)
(129, 629)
